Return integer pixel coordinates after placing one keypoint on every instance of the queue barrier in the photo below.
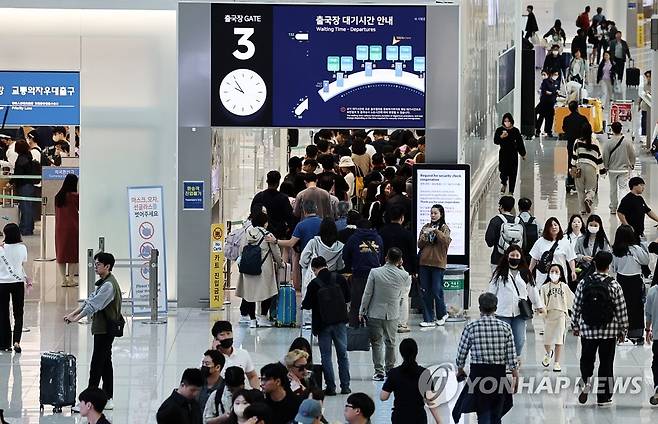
(130, 263)
(44, 226)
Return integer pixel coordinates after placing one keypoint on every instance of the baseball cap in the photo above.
(309, 410)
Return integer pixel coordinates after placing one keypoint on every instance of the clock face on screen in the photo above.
(243, 92)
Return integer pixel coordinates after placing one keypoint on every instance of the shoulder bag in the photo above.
(525, 308)
(546, 259)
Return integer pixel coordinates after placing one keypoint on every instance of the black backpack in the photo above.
(331, 302)
(45, 160)
(219, 407)
(530, 234)
(251, 262)
(597, 306)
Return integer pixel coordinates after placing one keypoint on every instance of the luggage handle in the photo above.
(631, 63)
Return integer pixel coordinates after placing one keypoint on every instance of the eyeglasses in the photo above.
(97, 264)
(301, 367)
(347, 405)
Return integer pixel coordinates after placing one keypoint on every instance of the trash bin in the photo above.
(453, 292)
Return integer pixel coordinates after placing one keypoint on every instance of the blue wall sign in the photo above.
(193, 195)
(40, 98)
(58, 173)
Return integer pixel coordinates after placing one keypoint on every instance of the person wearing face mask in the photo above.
(211, 369)
(558, 298)
(181, 407)
(555, 248)
(241, 400)
(510, 140)
(511, 282)
(220, 402)
(556, 35)
(593, 240)
(222, 332)
(553, 61)
(547, 99)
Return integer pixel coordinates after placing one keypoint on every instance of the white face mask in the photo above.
(239, 410)
(592, 229)
(554, 78)
(555, 52)
(554, 276)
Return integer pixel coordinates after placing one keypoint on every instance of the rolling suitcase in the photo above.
(57, 386)
(286, 306)
(632, 75)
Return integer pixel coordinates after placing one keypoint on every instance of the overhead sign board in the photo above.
(310, 66)
(39, 98)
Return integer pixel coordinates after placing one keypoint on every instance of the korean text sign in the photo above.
(40, 98)
(193, 195)
(216, 266)
(146, 224)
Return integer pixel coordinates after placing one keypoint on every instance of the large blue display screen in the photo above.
(318, 66)
(40, 98)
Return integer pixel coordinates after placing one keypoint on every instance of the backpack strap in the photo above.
(367, 242)
(218, 398)
(617, 145)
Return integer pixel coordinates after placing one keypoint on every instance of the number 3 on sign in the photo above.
(244, 40)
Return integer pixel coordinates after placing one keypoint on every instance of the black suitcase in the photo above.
(632, 75)
(57, 386)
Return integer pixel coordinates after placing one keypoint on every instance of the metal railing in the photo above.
(154, 284)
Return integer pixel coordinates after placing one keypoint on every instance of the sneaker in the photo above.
(244, 319)
(588, 205)
(378, 377)
(404, 329)
(109, 405)
(264, 322)
(547, 359)
(76, 408)
(428, 324)
(503, 189)
(307, 327)
(440, 322)
(607, 402)
(345, 391)
(253, 323)
(626, 342)
(582, 397)
(330, 392)
(557, 367)
(654, 399)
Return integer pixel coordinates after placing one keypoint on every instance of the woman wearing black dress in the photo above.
(509, 138)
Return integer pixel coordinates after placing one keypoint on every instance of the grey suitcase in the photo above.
(57, 386)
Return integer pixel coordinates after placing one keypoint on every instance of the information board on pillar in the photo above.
(146, 224)
(328, 66)
(448, 188)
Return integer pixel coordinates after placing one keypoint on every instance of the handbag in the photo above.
(546, 259)
(525, 308)
(358, 339)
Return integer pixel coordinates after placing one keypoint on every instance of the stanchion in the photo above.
(44, 226)
(227, 273)
(154, 289)
(91, 271)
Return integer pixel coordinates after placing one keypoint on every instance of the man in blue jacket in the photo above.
(362, 252)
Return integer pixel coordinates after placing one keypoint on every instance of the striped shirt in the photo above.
(489, 340)
(589, 154)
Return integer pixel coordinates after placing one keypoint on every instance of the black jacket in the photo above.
(579, 43)
(510, 148)
(599, 72)
(395, 235)
(178, 410)
(310, 301)
(626, 51)
(572, 125)
(531, 23)
(552, 63)
(23, 166)
(279, 212)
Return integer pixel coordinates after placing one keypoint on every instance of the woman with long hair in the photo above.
(67, 205)
(574, 229)
(433, 243)
(558, 298)
(512, 281)
(25, 186)
(13, 281)
(402, 381)
(510, 140)
(375, 204)
(593, 240)
(553, 243)
(327, 245)
(605, 75)
(628, 257)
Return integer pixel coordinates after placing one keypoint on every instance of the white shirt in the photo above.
(508, 299)
(11, 154)
(12, 258)
(239, 358)
(370, 150)
(563, 254)
(349, 179)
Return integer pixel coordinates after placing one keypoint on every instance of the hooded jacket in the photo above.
(332, 254)
(363, 251)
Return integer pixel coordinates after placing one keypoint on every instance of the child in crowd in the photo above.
(558, 299)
